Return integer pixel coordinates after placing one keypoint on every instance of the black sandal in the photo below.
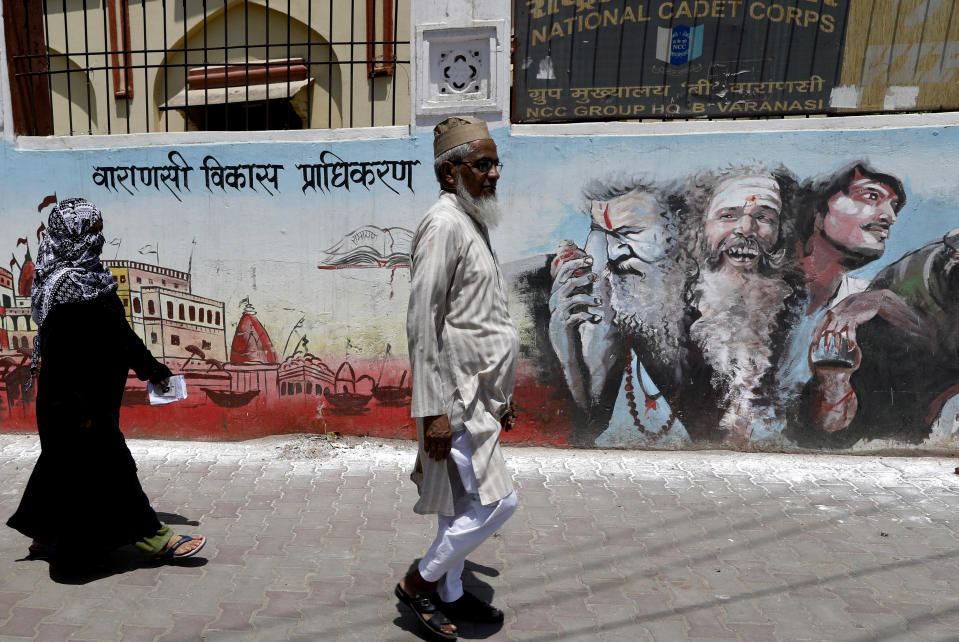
(421, 604)
(471, 608)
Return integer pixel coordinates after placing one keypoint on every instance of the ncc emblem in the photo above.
(679, 45)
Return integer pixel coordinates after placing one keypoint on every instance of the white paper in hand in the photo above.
(175, 392)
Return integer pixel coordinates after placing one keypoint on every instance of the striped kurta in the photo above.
(463, 349)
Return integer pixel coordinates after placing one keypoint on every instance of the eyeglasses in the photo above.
(483, 165)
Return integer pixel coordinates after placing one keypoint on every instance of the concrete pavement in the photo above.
(308, 537)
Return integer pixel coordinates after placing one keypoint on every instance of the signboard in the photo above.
(582, 60)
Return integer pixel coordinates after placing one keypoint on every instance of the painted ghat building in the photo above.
(17, 328)
(174, 323)
(185, 331)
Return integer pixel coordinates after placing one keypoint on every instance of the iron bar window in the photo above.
(130, 66)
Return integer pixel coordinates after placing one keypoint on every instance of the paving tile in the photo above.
(234, 616)
(102, 625)
(57, 632)
(8, 599)
(269, 546)
(607, 545)
(282, 604)
(186, 627)
(529, 619)
(129, 633)
(23, 621)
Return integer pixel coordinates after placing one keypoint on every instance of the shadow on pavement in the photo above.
(172, 519)
(122, 560)
(913, 623)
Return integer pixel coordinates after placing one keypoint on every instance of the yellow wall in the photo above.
(152, 87)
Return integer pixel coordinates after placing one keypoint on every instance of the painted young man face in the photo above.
(478, 183)
(742, 221)
(859, 219)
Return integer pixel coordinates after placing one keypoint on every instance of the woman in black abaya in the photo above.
(83, 498)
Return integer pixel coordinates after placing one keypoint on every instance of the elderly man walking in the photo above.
(463, 352)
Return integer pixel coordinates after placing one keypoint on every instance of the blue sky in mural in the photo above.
(549, 195)
(244, 235)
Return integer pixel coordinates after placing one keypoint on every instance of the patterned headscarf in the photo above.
(68, 267)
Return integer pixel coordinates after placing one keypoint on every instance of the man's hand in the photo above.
(508, 420)
(437, 437)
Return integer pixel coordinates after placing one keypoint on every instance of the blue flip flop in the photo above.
(171, 554)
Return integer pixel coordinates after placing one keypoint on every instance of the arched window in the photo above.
(192, 313)
(218, 317)
(136, 305)
(151, 308)
(182, 317)
(169, 309)
(209, 316)
(16, 343)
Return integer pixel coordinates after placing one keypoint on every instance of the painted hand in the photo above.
(572, 303)
(835, 350)
(833, 360)
(850, 313)
(571, 299)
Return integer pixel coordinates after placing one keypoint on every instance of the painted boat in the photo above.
(230, 398)
(393, 395)
(348, 398)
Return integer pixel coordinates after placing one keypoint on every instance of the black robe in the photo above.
(84, 496)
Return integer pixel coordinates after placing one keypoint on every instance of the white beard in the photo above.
(734, 332)
(485, 208)
(650, 307)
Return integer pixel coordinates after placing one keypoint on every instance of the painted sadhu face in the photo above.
(636, 232)
(643, 283)
(742, 222)
(859, 218)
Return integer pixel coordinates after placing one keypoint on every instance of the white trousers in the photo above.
(459, 535)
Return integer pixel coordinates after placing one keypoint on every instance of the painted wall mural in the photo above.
(780, 291)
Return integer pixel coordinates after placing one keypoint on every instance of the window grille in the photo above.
(132, 66)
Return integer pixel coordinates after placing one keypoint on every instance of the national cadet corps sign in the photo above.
(631, 59)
